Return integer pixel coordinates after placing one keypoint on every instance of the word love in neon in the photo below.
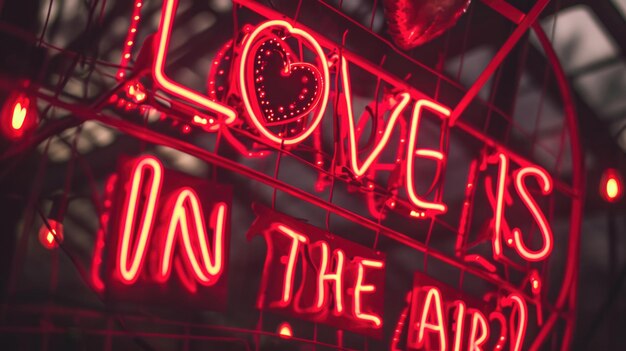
(162, 227)
(284, 100)
(317, 277)
(256, 64)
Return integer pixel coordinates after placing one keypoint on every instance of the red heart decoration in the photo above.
(285, 91)
(415, 22)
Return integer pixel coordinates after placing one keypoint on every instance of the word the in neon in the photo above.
(318, 279)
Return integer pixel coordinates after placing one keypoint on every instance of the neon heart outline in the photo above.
(287, 70)
(252, 117)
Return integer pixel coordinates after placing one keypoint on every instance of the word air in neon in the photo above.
(441, 319)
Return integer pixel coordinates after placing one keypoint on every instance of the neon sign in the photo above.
(269, 90)
(167, 222)
(265, 63)
(442, 319)
(314, 275)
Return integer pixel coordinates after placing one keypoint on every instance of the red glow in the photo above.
(433, 208)
(398, 108)
(329, 275)
(245, 76)
(499, 317)
(480, 261)
(96, 263)
(319, 277)
(499, 210)
(432, 319)
(544, 227)
(130, 39)
(129, 273)
(296, 239)
(535, 282)
(611, 187)
(429, 324)
(360, 288)
(136, 91)
(458, 326)
(18, 116)
(478, 338)
(519, 306)
(285, 331)
(170, 86)
(465, 212)
(400, 324)
(186, 202)
(334, 278)
(50, 237)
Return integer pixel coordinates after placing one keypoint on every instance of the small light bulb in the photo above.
(50, 237)
(284, 330)
(611, 185)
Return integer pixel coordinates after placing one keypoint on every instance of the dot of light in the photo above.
(611, 185)
(284, 330)
(612, 188)
(50, 237)
(19, 115)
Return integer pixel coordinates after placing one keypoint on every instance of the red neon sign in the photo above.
(160, 224)
(440, 319)
(253, 96)
(291, 122)
(311, 275)
(501, 230)
(170, 86)
(340, 284)
(267, 65)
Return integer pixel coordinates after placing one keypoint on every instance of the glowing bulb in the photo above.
(136, 91)
(612, 188)
(52, 236)
(611, 185)
(535, 282)
(18, 116)
(284, 330)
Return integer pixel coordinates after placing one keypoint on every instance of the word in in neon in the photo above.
(165, 223)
